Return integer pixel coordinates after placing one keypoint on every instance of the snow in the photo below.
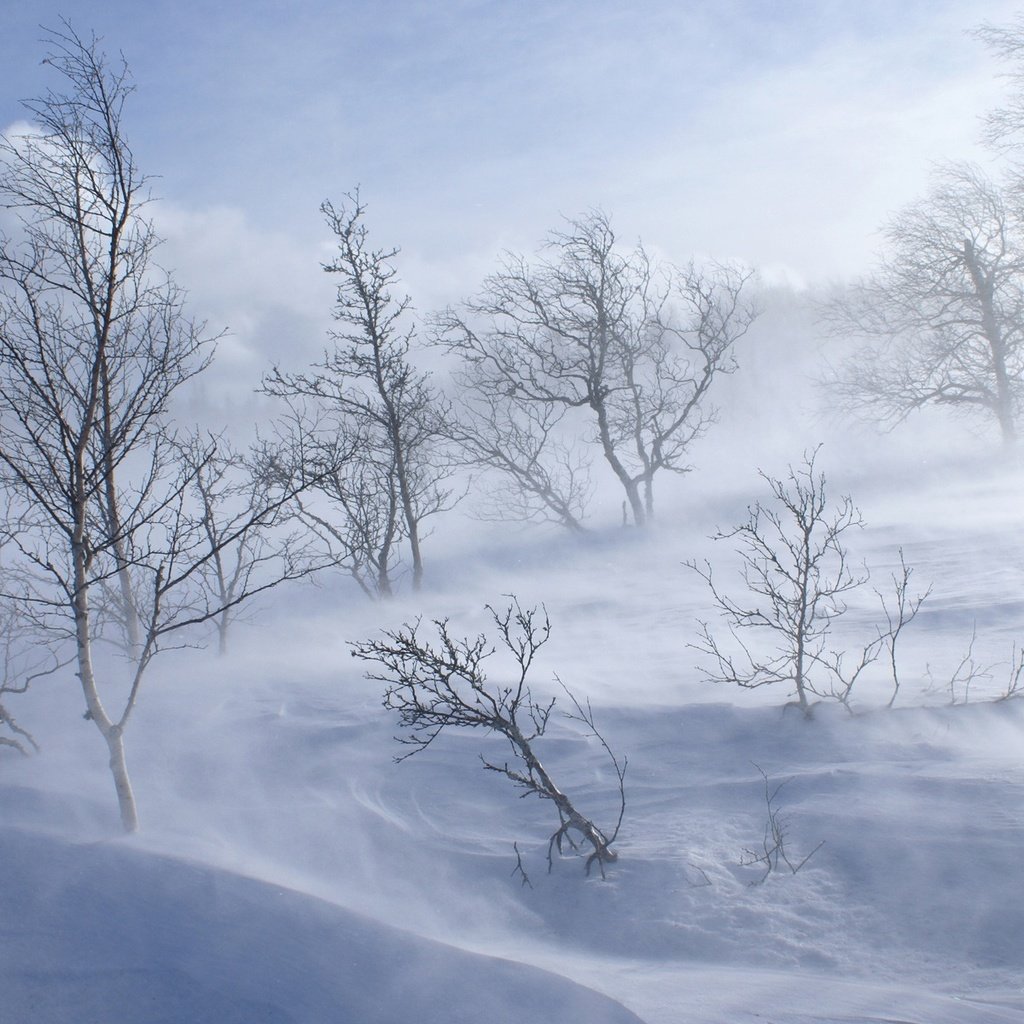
(288, 870)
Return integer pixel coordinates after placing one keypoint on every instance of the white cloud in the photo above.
(264, 289)
(781, 134)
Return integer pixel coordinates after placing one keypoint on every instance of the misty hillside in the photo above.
(511, 513)
(297, 844)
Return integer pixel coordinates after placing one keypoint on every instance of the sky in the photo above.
(781, 134)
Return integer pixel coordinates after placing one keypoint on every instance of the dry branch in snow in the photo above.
(440, 685)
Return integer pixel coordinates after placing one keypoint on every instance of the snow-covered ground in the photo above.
(287, 870)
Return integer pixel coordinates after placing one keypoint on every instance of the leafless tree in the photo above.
(227, 489)
(435, 687)
(1015, 679)
(969, 672)
(966, 673)
(367, 381)
(23, 661)
(629, 349)
(796, 573)
(1003, 126)
(943, 316)
(79, 273)
(899, 611)
(98, 526)
(345, 492)
(533, 471)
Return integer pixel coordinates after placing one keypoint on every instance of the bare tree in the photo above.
(445, 686)
(80, 268)
(1003, 126)
(228, 489)
(94, 341)
(631, 348)
(899, 612)
(967, 672)
(1015, 679)
(369, 383)
(23, 661)
(345, 492)
(534, 472)
(943, 316)
(796, 573)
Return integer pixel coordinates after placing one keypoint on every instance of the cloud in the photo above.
(262, 288)
(781, 136)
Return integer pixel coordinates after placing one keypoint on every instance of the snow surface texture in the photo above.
(114, 935)
(288, 870)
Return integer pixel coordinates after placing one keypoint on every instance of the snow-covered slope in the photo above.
(103, 932)
(288, 870)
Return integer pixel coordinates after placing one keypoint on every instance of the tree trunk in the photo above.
(1004, 396)
(568, 815)
(414, 545)
(649, 498)
(131, 619)
(629, 485)
(983, 287)
(804, 570)
(94, 706)
(122, 783)
(412, 523)
(635, 503)
(383, 574)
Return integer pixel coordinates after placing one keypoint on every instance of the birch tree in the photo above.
(532, 470)
(444, 684)
(345, 491)
(102, 542)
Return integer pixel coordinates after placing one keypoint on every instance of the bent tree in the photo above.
(534, 473)
(441, 685)
(101, 541)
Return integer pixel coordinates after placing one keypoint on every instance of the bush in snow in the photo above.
(796, 573)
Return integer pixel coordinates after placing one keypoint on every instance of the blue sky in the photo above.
(778, 133)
